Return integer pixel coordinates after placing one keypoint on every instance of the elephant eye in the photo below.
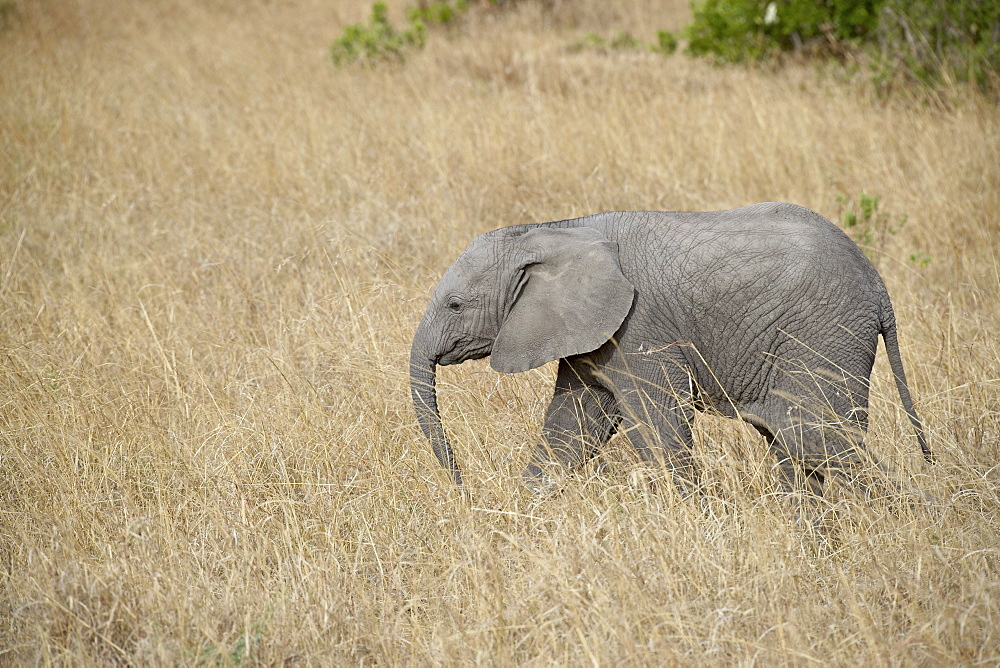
(454, 305)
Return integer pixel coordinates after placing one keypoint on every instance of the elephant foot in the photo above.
(538, 481)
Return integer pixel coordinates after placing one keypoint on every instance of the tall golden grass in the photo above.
(215, 246)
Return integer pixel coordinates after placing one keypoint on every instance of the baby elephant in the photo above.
(767, 313)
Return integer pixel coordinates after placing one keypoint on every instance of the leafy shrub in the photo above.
(666, 42)
(870, 227)
(589, 41)
(740, 30)
(440, 13)
(8, 10)
(930, 37)
(377, 40)
(927, 37)
(625, 41)
(622, 41)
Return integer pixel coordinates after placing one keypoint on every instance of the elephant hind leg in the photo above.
(793, 476)
(814, 442)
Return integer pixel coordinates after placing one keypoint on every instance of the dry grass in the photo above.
(214, 248)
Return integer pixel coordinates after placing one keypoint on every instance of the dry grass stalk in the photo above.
(214, 248)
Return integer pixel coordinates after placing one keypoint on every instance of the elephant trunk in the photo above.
(424, 393)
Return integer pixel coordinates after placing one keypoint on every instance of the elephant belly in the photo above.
(825, 375)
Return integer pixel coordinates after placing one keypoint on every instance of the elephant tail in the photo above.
(888, 330)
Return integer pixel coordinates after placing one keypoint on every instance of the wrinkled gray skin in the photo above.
(767, 313)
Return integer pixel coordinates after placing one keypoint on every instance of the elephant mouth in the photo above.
(464, 349)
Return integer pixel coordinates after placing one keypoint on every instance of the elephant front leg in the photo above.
(580, 419)
(657, 415)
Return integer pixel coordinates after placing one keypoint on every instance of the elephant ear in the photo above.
(570, 297)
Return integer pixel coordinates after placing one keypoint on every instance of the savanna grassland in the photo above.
(215, 247)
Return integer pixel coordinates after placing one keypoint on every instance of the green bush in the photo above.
(871, 227)
(926, 37)
(740, 30)
(8, 10)
(440, 13)
(622, 41)
(589, 41)
(666, 42)
(932, 37)
(377, 40)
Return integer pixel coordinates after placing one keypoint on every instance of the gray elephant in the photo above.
(767, 313)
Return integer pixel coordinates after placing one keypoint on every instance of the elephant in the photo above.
(767, 313)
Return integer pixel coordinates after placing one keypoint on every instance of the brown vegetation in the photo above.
(215, 246)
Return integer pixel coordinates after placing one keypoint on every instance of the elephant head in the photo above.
(523, 296)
